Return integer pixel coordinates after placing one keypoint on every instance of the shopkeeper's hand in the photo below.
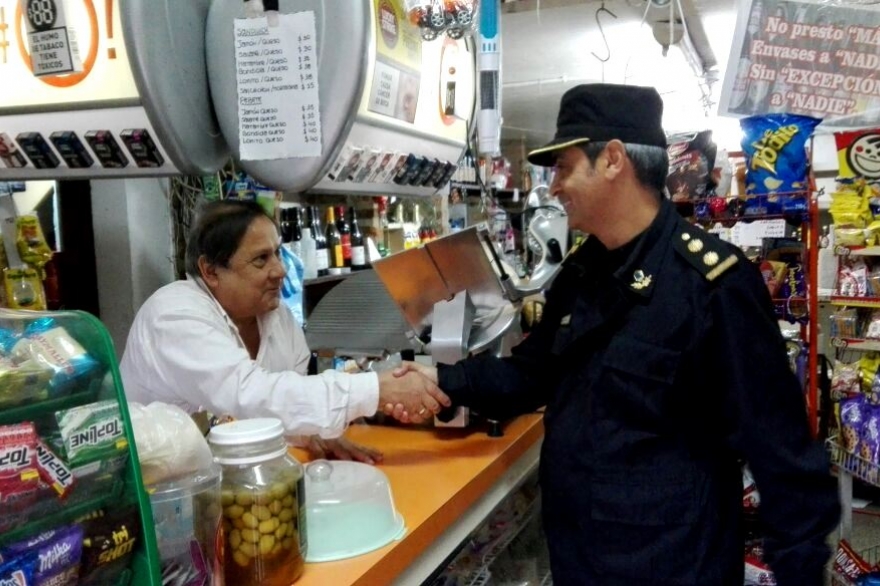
(410, 397)
(430, 372)
(341, 449)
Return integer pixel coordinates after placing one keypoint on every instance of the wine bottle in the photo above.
(334, 244)
(345, 235)
(358, 251)
(322, 254)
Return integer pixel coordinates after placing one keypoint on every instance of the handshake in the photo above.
(410, 393)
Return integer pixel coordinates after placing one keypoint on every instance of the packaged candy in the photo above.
(794, 291)
(872, 579)
(775, 148)
(108, 543)
(852, 418)
(19, 477)
(869, 364)
(91, 432)
(751, 497)
(691, 160)
(869, 440)
(858, 153)
(57, 554)
(848, 563)
(845, 380)
(51, 346)
(53, 470)
(23, 383)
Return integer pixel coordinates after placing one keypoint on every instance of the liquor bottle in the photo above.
(295, 230)
(307, 244)
(284, 225)
(322, 254)
(345, 235)
(334, 244)
(358, 250)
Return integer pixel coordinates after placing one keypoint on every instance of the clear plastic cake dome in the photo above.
(349, 510)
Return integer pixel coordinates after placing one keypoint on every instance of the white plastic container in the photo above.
(186, 515)
(350, 510)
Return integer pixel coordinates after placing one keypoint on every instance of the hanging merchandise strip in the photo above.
(276, 67)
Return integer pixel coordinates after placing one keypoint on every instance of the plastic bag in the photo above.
(169, 444)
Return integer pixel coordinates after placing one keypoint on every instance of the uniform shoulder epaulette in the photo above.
(704, 251)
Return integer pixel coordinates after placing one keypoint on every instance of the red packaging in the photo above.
(18, 462)
(53, 470)
(848, 563)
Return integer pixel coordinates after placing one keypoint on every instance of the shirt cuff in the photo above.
(363, 395)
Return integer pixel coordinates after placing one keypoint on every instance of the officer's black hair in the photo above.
(651, 163)
(218, 232)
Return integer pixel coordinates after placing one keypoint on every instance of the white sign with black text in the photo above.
(53, 44)
(276, 66)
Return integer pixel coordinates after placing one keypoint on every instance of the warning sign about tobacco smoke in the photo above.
(818, 59)
(52, 43)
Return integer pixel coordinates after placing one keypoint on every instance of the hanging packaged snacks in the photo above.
(776, 156)
(108, 542)
(794, 291)
(858, 153)
(91, 432)
(853, 412)
(24, 289)
(31, 243)
(848, 563)
(691, 160)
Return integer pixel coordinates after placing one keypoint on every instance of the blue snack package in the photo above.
(8, 340)
(57, 554)
(19, 571)
(776, 156)
(51, 346)
(872, 579)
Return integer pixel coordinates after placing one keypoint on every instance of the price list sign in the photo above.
(804, 57)
(276, 65)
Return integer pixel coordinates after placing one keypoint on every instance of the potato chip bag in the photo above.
(776, 156)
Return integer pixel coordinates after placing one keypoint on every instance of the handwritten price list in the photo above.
(279, 112)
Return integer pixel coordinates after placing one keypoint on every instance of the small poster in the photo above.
(805, 57)
(279, 114)
(53, 45)
(397, 77)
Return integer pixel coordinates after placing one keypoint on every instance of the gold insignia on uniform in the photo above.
(566, 320)
(711, 259)
(695, 246)
(641, 280)
(685, 236)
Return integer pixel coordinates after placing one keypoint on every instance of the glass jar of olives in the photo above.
(263, 500)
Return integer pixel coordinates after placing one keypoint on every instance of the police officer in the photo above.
(662, 369)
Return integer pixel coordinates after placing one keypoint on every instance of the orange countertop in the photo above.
(436, 475)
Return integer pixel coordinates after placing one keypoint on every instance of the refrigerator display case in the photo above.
(69, 474)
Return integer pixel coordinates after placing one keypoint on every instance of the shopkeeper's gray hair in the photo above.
(218, 232)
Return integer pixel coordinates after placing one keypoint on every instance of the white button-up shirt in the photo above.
(185, 350)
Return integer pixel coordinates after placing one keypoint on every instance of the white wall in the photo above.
(132, 227)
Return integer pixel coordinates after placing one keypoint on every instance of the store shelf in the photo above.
(871, 302)
(856, 344)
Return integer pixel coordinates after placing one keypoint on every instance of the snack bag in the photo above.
(108, 543)
(758, 573)
(18, 571)
(858, 153)
(24, 289)
(852, 418)
(690, 165)
(775, 148)
(845, 380)
(32, 246)
(848, 563)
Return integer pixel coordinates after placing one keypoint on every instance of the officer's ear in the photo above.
(615, 159)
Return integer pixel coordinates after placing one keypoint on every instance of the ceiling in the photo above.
(548, 46)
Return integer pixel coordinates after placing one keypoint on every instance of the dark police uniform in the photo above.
(662, 367)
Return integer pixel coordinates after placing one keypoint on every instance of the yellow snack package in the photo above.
(32, 246)
(24, 289)
(868, 365)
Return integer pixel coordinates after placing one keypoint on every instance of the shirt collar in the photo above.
(266, 322)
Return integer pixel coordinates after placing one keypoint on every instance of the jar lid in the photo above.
(246, 431)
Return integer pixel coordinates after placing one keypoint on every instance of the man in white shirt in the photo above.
(221, 341)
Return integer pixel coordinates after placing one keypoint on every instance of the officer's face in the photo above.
(577, 185)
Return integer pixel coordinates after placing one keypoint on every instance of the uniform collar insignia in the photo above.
(641, 280)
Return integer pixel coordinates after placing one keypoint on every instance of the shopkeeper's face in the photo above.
(251, 283)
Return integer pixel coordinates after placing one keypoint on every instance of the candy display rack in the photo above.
(91, 493)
